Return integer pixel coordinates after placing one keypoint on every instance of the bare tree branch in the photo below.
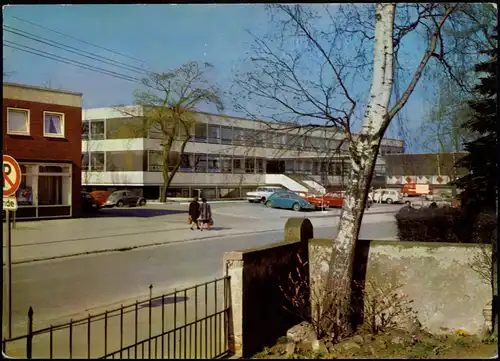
(425, 59)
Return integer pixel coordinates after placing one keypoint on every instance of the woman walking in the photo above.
(194, 214)
(206, 214)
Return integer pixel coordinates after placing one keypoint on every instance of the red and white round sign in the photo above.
(11, 176)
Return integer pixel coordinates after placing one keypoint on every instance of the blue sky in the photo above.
(163, 37)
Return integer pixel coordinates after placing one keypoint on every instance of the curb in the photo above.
(124, 249)
(338, 215)
(184, 203)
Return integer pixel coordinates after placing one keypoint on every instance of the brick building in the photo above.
(42, 131)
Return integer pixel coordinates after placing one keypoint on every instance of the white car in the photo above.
(388, 196)
(261, 194)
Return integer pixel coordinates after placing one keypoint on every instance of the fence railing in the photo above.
(188, 323)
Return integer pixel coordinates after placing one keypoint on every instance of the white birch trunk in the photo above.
(363, 156)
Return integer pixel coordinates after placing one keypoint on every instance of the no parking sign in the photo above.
(11, 181)
(11, 176)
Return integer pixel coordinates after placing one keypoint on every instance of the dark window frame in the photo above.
(210, 138)
(200, 158)
(211, 158)
(223, 139)
(198, 138)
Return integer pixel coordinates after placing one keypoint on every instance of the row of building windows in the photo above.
(390, 149)
(217, 134)
(19, 123)
(117, 128)
(210, 163)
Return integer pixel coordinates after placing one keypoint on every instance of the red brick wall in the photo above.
(37, 148)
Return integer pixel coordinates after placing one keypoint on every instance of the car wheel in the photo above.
(269, 204)
(119, 204)
(389, 201)
(296, 207)
(142, 202)
(263, 200)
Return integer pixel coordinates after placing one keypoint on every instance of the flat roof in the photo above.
(41, 88)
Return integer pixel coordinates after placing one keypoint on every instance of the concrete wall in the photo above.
(447, 293)
(258, 316)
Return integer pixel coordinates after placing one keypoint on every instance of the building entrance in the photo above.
(275, 167)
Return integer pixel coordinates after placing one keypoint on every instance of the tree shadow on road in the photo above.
(133, 212)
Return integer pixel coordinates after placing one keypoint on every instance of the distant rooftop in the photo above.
(41, 88)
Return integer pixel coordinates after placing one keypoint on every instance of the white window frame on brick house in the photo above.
(16, 132)
(54, 135)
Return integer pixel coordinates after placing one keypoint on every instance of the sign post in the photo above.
(11, 180)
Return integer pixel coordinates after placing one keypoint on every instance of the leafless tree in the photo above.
(287, 87)
(168, 109)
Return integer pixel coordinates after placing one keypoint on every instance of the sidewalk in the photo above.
(46, 241)
(37, 241)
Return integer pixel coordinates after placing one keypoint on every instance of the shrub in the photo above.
(444, 224)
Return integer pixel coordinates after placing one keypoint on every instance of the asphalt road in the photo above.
(64, 288)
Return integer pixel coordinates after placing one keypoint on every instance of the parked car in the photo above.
(88, 203)
(388, 196)
(101, 197)
(287, 200)
(124, 198)
(261, 194)
(332, 199)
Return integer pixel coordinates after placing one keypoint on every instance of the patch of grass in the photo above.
(283, 340)
(490, 340)
(264, 353)
(425, 346)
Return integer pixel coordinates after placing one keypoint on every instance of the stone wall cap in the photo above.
(406, 244)
(268, 247)
(239, 255)
(233, 256)
(321, 241)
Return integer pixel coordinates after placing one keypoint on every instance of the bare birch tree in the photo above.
(168, 108)
(331, 102)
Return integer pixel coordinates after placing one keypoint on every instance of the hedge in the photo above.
(445, 224)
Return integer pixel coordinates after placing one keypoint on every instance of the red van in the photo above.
(415, 190)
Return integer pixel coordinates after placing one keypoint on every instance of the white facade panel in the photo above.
(111, 112)
(113, 145)
(113, 178)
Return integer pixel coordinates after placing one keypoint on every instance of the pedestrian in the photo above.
(206, 214)
(381, 198)
(194, 214)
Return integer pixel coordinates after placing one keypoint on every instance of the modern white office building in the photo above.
(226, 157)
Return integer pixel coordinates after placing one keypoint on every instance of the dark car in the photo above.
(124, 198)
(88, 203)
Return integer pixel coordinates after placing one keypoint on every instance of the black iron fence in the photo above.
(188, 323)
